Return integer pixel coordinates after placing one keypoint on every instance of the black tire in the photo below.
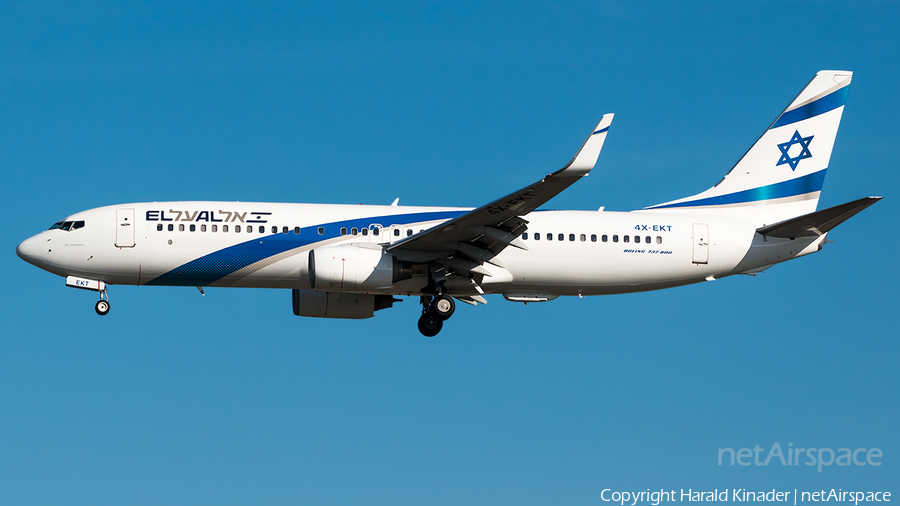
(102, 307)
(430, 325)
(443, 307)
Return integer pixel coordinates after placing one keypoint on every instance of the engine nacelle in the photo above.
(355, 267)
(337, 304)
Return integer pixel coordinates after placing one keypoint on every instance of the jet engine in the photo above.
(355, 267)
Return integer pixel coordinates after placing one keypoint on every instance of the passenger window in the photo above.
(396, 232)
(637, 238)
(364, 231)
(354, 231)
(409, 232)
(561, 237)
(375, 230)
(604, 238)
(181, 227)
(537, 236)
(159, 227)
(525, 236)
(626, 238)
(549, 237)
(203, 228)
(594, 238)
(193, 227)
(572, 237)
(296, 230)
(274, 229)
(249, 229)
(584, 238)
(615, 238)
(215, 228)
(647, 239)
(284, 230)
(237, 228)
(343, 230)
(658, 240)
(321, 230)
(224, 228)
(171, 227)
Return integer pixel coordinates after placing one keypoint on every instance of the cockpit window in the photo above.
(68, 225)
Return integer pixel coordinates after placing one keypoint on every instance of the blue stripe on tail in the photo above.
(799, 186)
(821, 106)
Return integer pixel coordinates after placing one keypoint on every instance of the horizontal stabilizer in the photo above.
(817, 223)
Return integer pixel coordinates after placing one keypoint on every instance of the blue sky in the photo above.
(228, 398)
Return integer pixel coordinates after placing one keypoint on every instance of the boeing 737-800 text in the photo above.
(348, 261)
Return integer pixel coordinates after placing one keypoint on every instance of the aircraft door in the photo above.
(125, 228)
(701, 243)
(397, 232)
(378, 234)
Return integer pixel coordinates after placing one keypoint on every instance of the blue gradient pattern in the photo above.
(799, 186)
(210, 268)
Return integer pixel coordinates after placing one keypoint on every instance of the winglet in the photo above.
(586, 157)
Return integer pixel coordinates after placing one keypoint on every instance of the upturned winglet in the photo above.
(586, 157)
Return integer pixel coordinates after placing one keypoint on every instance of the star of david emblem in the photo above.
(785, 148)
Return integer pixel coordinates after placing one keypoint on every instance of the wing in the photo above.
(464, 243)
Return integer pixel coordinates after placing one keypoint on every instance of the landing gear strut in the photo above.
(102, 306)
(434, 311)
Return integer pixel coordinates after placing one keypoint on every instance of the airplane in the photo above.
(349, 261)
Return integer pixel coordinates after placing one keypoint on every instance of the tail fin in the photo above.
(782, 174)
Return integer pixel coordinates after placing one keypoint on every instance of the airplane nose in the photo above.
(30, 251)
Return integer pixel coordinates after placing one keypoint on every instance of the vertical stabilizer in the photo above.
(782, 174)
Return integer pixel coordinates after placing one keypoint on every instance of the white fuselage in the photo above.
(257, 245)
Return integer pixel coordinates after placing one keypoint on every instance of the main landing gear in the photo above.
(434, 311)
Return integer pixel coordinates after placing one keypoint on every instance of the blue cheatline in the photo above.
(806, 184)
(210, 268)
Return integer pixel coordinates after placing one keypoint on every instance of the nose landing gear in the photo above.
(102, 306)
(434, 311)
